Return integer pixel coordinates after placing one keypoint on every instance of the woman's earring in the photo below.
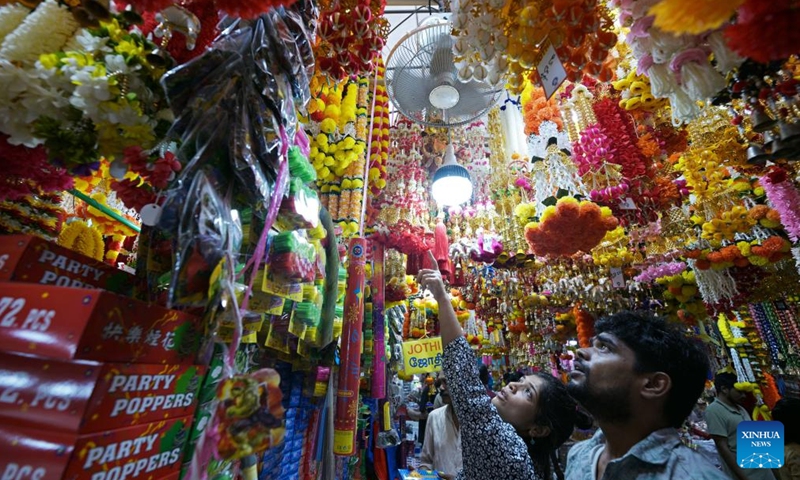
(533, 442)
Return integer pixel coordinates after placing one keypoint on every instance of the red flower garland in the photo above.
(26, 171)
(765, 31)
(616, 124)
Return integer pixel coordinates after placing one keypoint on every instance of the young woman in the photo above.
(513, 435)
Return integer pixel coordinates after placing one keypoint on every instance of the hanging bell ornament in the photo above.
(769, 137)
(790, 132)
(756, 154)
(787, 146)
(760, 121)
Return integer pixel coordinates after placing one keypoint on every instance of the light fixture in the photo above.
(451, 182)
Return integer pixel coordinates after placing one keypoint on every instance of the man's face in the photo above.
(736, 396)
(603, 378)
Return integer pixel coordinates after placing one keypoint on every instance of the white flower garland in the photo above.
(714, 285)
(11, 17)
(46, 30)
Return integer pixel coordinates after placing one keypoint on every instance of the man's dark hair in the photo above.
(660, 346)
(483, 372)
(724, 380)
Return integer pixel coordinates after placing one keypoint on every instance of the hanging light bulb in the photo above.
(451, 182)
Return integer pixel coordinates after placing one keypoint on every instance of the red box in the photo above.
(146, 452)
(29, 259)
(86, 397)
(84, 324)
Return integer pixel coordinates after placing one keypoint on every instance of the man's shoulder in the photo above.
(689, 463)
(581, 452)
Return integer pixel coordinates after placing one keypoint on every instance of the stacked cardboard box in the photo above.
(93, 385)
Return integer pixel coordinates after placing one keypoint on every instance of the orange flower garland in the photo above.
(569, 227)
(537, 109)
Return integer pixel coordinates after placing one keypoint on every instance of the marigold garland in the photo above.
(569, 227)
(82, 238)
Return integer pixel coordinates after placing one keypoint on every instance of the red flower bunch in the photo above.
(26, 171)
(765, 31)
(405, 238)
(134, 194)
(569, 227)
(157, 171)
(616, 125)
(351, 38)
(251, 8)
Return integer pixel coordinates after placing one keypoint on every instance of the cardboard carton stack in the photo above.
(93, 385)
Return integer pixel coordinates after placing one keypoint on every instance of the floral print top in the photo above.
(490, 447)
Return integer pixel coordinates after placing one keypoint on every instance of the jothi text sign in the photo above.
(422, 356)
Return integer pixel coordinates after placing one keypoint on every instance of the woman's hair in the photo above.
(558, 411)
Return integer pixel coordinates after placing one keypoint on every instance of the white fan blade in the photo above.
(411, 91)
(442, 59)
(474, 97)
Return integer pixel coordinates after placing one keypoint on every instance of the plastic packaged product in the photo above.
(292, 258)
(300, 209)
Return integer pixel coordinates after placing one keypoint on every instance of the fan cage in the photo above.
(414, 52)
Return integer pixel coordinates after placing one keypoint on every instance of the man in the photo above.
(722, 418)
(639, 379)
(441, 451)
(420, 403)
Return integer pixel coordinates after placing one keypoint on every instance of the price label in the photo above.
(617, 279)
(627, 204)
(551, 71)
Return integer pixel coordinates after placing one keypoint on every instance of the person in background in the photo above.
(640, 379)
(787, 411)
(483, 373)
(722, 418)
(698, 414)
(513, 435)
(442, 449)
(423, 398)
(441, 382)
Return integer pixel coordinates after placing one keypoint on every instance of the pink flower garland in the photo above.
(785, 198)
(593, 149)
(657, 271)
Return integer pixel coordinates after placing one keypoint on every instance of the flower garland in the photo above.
(685, 16)
(569, 227)
(11, 16)
(654, 272)
(785, 198)
(636, 94)
(764, 31)
(26, 171)
(39, 215)
(351, 36)
(536, 108)
(82, 238)
(379, 153)
(45, 30)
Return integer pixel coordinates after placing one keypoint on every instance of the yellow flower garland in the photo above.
(80, 237)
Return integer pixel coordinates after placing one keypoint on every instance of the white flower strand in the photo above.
(714, 285)
(46, 30)
(11, 17)
(737, 365)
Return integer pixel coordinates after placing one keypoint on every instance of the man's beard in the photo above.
(609, 405)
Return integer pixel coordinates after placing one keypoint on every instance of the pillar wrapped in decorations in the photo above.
(344, 424)
(379, 326)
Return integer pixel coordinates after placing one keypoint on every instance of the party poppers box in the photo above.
(82, 396)
(151, 451)
(29, 259)
(86, 324)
